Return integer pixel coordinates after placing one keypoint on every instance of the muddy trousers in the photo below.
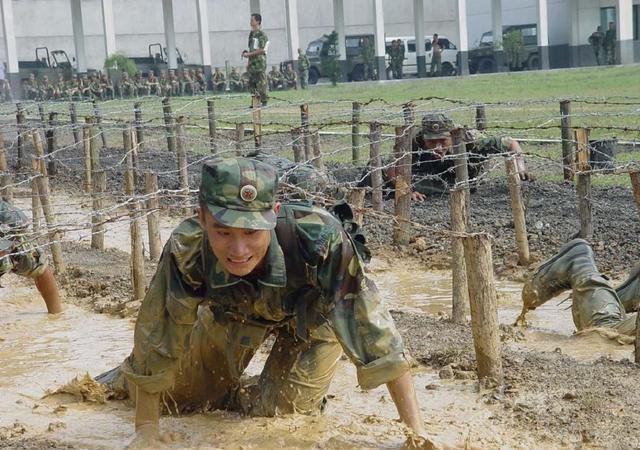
(295, 378)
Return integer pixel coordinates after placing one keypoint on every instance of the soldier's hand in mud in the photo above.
(146, 436)
(423, 442)
(418, 196)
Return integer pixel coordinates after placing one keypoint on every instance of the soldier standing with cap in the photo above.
(245, 268)
(22, 258)
(257, 56)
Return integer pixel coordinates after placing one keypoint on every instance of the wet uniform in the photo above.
(23, 257)
(199, 326)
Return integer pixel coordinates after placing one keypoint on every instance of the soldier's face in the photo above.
(240, 251)
(439, 147)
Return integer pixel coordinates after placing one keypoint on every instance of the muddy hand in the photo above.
(420, 442)
(521, 321)
(147, 436)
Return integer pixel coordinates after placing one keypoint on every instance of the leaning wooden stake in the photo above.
(94, 146)
(583, 183)
(135, 229)
(375, 136)
(153, 215)
(356, 200)
(517, 209)
(86, 140)
(460, 289)
(484, 311)
(98, 116)
(169, 124)
(256, 118)
(74, 123)
(567, 137)
(20, 140)
(211, 114)
(635, 184)
(402, 230)
(47, 210)
(304, 127)
(97, 218)
(52, 143)
(317, 153)
(298, 151)
(182, 165)
(6, 189)
(36, 209)
(239, 138)
(462, 167)
(481, 118)
(355, 132)
(137, 114)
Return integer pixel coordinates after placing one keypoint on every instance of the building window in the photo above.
(607, 15)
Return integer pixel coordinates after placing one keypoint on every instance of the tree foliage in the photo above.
(512, 43)
(121, 63)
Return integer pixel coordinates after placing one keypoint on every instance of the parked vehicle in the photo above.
(158, 60)
(410, 67)
(47, 63)
(317, 53)
(481, 58)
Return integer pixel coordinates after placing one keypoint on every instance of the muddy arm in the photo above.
(48, 288)
(403, 394)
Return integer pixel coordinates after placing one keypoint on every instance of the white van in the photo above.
(410, 68)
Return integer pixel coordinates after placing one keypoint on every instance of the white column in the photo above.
(78, 35)
(109, 30)
(203, 34)
(293, 41)
(9, 36)
(574, 34)
(418, 16)
(378, 25)
(463, 38)
(254, 6)
(496, 26)
(338, 24)
(624, 31)
(169, 33)
(543, 34)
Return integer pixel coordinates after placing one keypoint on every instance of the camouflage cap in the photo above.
(437, 126)
(12, 222)
(240, 192)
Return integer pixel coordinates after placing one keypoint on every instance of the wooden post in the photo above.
(94, 148)
(257, 121)
(86, 141)
(129, 180)
(137, 114)
(298, 151)
(98, 115)
(43, 115)
(36, 209)
(74, 123)
(182, 165)
(635, 185)
(211, 114)
(517, 209)
(169, 124)
(355, 132)
(97, 218)
(567, 137)
(375, 136)
(137, 257)
(462, 167)
(20, 129)
(409, 114)
(304, 122)
(153, 215)
(51, 143)
(481, 118)
(6, 189)
(356, 200)
(460, 289)
(317, 153)
(583, 183)
(484, 311)
(239, 138)
(47, 210)
(402, 229)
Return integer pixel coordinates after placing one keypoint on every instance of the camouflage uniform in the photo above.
(235, 81)
(199, 326)
(368, 55)
(436, 58)
(257, 66)
(290, 78)
(609, 44)
(23, 258)
(30, 88)
(276, 80)
(595, 40)
(303, 69)
(219, 80)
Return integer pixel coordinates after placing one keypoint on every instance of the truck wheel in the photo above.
(485, 66)
(533, 63)
(448, 70)
(313, 75)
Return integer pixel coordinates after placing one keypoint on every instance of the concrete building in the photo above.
(211, 32)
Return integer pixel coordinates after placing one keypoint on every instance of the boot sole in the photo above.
(630, 279)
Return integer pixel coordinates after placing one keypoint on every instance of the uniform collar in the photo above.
(275, 270)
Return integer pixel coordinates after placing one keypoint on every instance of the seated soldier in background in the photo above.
(594, 301)
(30, 88)
(46, 89)
(201, 81)
(219, 80)
(22, 258)
(275, 78)
(245, 80)
(290, 78)
(154, 85)
(235, 80)
(107, 87)
(432, 165)
(174, 83)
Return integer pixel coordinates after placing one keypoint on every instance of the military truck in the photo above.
(317, 53)
(158, 60)
(47, 63)
(481, 58)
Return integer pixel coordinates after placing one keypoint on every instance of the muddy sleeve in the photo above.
(28, 260)
(363, 325)
(484, 144)
(166, 317)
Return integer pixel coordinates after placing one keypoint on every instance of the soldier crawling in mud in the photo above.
(245, 268)
(19, 256)
(433, 169)
(595, 302)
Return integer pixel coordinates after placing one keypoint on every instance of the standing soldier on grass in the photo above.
(257, 56)
(610, 44)
(368, 55)
(436, 57)
(303, 69)
(595, 40)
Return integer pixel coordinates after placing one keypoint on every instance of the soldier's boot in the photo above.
(594, 301)
(629, 291)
